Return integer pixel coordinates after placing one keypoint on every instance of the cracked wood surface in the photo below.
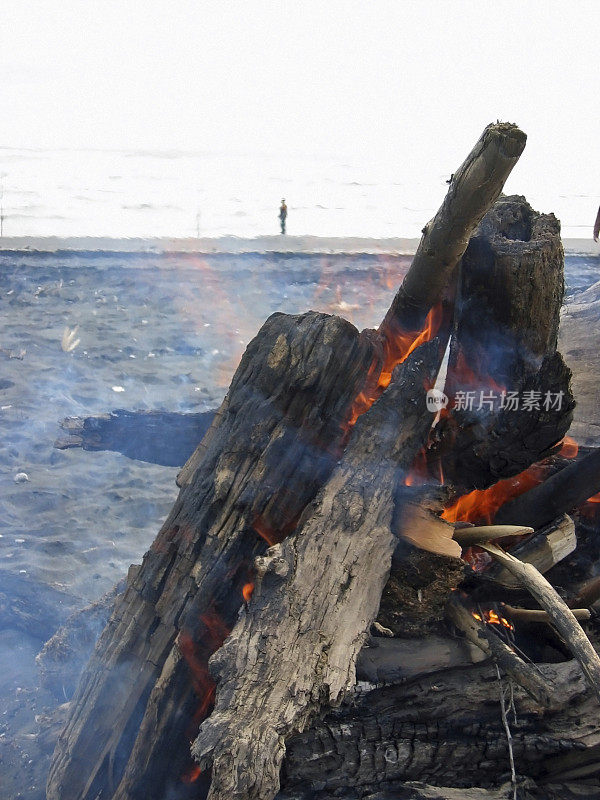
(270, 448)
(293, 650)
(445, 729)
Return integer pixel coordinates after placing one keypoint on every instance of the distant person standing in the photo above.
(283, 215)
(597, 226)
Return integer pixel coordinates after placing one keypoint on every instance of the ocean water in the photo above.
(182, 194)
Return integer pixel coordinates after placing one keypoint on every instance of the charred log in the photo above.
(446, 730)
(310, 640)
(271, 447)
(508, 384)
(557, 495)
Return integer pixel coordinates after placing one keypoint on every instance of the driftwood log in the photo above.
(271, 448)
(159, 437)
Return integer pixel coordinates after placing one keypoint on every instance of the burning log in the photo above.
(559, 494)
(311, 640)
(508, 387)
(270, 451)
(562, 616)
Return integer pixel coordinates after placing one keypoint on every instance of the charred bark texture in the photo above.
(445, 730)
(504, 339)
(294, 650)
(270, 449)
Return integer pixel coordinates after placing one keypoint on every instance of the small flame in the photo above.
(247, 591)
(192, 775)
(492, 618)
(402, 344)
(569, 448)
(265, 531)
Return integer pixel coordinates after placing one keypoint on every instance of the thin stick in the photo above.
(487, 640)
(466, 537)
(509, 739)
(535, 615)
(561, 615)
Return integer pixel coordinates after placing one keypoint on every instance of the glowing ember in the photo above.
(196, 655)
(569, 448)
(265, 531)
(247, 591)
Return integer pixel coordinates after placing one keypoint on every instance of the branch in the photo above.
(563, 618)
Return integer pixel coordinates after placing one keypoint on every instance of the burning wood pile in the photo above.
(337, 522)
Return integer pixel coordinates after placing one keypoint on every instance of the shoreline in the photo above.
(233, 245)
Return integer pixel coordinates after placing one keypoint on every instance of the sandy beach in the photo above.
(155, 325)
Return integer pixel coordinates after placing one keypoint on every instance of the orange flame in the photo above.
(196, 655)
(265, 531)
(481, 505)
(569, 448)
(247, 591)
(403, 343)
(493, 618)
(397, 348)
(191, 775)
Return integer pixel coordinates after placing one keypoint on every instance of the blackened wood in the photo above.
(445, 729)
(159, 437)
(559, 494)
(315, 598)
(504, 340)
(271, 447)
(414, 599)
(385, 660)
(269, 453)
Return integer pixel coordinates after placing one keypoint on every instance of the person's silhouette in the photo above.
(597, 226)
(283, 215)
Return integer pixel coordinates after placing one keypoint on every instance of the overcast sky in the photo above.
(376, 79)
